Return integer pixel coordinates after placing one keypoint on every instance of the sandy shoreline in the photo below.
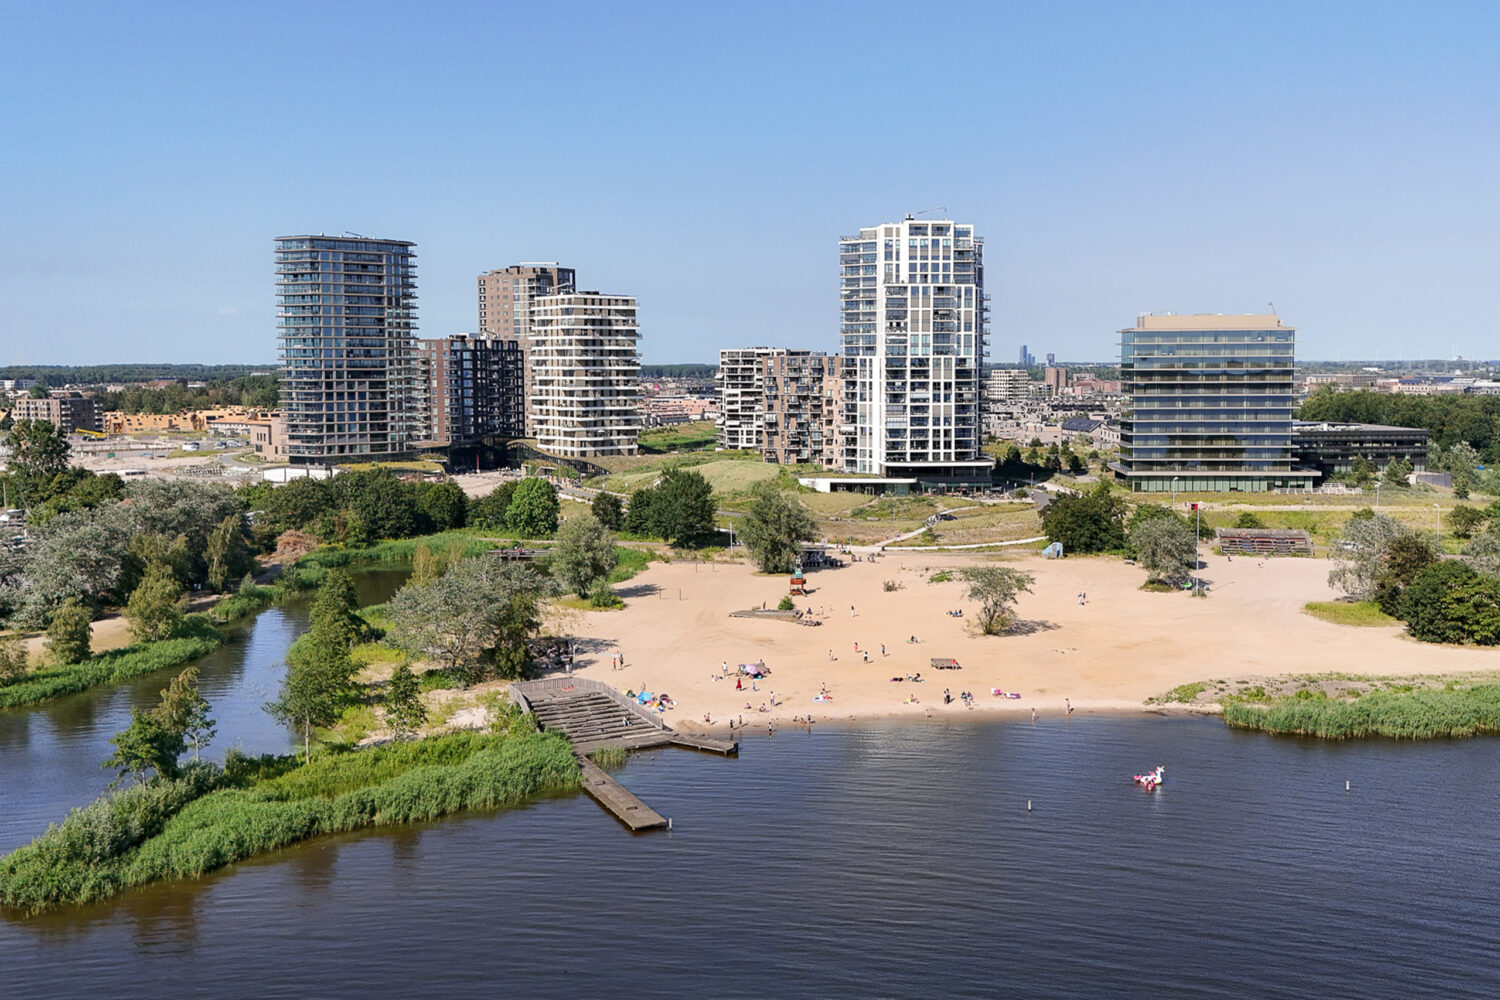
(1110, 653)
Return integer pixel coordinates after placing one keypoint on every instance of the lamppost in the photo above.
(1174, 492)
(1197, 530)
(1377, 495)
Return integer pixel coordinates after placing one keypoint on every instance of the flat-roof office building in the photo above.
(1208, 404)
(346, 320)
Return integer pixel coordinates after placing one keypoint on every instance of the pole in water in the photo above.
(1346, 784)
(669, 822)
(1028, 805)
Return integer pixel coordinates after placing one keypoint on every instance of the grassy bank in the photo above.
(113, 667)
(1452, 711)
(1362, 613)
(214, 817)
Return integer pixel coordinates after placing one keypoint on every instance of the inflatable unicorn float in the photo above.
(1151, 779)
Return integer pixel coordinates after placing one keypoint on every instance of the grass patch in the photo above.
(1363, 613)
(249, 601)
(1452, 711)
(1157, 587)
(694, 436)
(1184, 694)
(198, 638)
(214, 816)
(609, 757)
(942, 577)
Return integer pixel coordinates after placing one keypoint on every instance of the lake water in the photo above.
(878, 860)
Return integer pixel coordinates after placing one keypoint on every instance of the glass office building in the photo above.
(1208, 404)
(346, 319)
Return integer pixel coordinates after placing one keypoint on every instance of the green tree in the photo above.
(154, 610)
(608, 511)
(68, 633)
(1086, 522)
(315, 688)
(533, 509)
(489, 511)
(227, 555)
(682, 507)
(1396, 472)
(1167, 548)
(404, 711)
(13, 659)
(443, 505)
(584, 554)
(1449, 601)
(774, 528)
(38, 453)
(1463, 520)
(148, 744)
(997, 589)
(639, 519)
(1362, 470)
(183, 709)
(1405, 555)
(1360, 554)
(1076, 465)
(476, 619)
(1249, 520)
(335, 611)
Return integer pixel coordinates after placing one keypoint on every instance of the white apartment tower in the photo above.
(584, 396)
(913, 325)
(740, 384)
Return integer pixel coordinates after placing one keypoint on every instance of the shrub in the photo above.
(786, 603)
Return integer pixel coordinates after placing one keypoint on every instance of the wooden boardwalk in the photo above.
(618, 799)
(594, 716)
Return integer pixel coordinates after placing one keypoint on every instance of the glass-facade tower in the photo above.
(346, 320)
(1208, 404)
(913, 322)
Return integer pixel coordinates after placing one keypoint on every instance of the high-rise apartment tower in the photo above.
(505, 300)
(346, 320)
(1208, 404)
(914, 315)
(586, 374)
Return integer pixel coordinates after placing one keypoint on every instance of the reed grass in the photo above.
(113, 666)
(214, 817)
(1420, 714)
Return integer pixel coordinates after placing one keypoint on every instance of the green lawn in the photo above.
(1364, 613)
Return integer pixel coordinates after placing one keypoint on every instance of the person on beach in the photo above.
(851, 611)
(1033, 715)
(739, 683)
(882, 649)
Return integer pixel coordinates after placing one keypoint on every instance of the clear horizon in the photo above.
(1339, 160)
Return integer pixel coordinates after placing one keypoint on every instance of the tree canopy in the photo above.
(1086, 522)
(1167, 548)
(996, 588)
(774, 528)
(584, 554)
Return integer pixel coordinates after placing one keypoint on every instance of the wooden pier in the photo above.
(594, 716)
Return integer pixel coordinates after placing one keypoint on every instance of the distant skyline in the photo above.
(1340, 160)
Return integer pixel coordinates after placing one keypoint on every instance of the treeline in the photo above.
(260, 392)
(678, 371)
(1450, 419)
(355, 508)
(60, 375)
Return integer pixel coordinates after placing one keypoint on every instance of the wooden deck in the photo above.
(593, 716)
(618, 799)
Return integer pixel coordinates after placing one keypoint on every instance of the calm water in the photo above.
(881, 860)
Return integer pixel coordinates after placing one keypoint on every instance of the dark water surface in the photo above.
(882, 860)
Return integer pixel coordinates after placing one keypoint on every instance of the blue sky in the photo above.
(1339, 160)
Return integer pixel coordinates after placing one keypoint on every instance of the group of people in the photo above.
(967, 697)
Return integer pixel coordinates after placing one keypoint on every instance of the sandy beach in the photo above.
(1110, 653)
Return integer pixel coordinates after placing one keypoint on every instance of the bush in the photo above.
(603, 597)
(1410, 715)
(786, 603)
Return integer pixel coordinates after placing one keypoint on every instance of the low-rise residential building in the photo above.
(1007, 386)
(72, 411)
(1332, 448)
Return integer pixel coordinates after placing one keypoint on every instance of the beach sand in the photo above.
(1122, 646)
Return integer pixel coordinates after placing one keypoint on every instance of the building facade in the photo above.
(585, 395)
(739, 385)
(346, 321)
(804, 408)
(69, 411)
(505, 300)
(1208, 404)
(1055, 379)
(470, 388)
(1332, 448)
(913, 326)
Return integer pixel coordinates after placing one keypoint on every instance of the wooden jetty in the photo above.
(593, 716)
